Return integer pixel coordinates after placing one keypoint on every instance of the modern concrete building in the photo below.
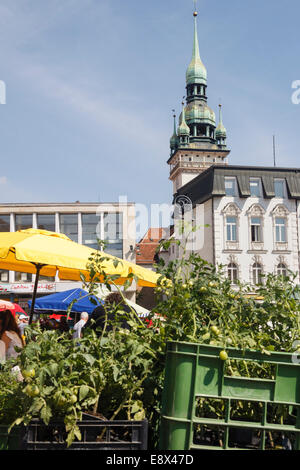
(85, 223)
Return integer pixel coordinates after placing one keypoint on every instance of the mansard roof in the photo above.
(211, 182)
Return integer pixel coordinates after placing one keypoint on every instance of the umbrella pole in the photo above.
(38, 268)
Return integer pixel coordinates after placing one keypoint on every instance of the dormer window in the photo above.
(230, 186)
(255, 187)
(279, 187)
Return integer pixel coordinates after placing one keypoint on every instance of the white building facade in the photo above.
(252, 216)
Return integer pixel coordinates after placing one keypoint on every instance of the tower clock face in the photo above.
(182, 205)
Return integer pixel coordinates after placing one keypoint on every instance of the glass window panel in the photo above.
(115, 249)
(257, 273)
(23, 221)
(4, 223)
(233, 272)
(279, 188)
(231, 229)
(113, 233)
(46, 222)
(280, 229)
(256, 235)
(255, 187)
(113, 226)
(230, 186)
(23, 277)
(282, 270)
(68, 224)
(91, 230)
(4, 275)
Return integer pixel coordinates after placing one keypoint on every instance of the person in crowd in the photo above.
(79, 325)
(10, 336)
(23, 322)
(63, 324)
(113, 302)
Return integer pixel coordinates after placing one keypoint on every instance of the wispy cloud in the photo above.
(98, 109)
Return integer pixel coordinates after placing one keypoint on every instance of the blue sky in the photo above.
(91, 85)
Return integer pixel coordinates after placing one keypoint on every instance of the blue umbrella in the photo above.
(60, 301)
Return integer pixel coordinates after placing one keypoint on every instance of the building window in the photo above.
(280, 229)
(232, 270)
(23, 277)
(4, 223)
(113, 233)
(23, 221)
(257, 273)
(282, 270)
(91, 230)
(256, 232)
(279, 188)
(4, 275)
(230, 186)
(231, 229)
(68, 224)
(255, 188)
(46, 222)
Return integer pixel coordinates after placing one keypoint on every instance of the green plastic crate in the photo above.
(195, 372)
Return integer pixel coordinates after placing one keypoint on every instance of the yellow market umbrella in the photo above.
(45, 253)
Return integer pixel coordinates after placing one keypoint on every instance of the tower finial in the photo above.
(195, 8)
(220, 113)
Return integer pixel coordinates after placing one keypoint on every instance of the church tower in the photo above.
(198, 143)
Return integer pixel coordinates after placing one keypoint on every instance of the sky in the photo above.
(91, 84)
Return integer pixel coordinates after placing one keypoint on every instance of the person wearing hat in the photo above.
(23, 322)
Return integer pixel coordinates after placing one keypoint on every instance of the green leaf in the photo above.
(83, 392)
(46, 414)
(139, 416)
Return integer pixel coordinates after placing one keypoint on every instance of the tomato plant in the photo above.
(119, 373)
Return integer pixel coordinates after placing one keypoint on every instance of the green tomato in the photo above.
(215, 330)
(73, 399)
(223, 355)
(32, 390)
(203, 289)
(211, 284)
(28, 373)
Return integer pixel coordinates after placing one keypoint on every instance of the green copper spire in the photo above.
(196, 72)
(220, 131)
(183, 128)
(174, 138)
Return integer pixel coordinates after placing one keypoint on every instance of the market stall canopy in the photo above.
(25, 249)
(60, 301)
(46, 253)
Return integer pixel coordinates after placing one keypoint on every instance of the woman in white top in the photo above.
(10, 335)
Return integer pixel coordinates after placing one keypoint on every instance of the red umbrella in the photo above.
(14, 308)
(5, 305)
(57, 316)
(19, 309)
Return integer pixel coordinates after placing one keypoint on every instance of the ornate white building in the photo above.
(248, 216)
